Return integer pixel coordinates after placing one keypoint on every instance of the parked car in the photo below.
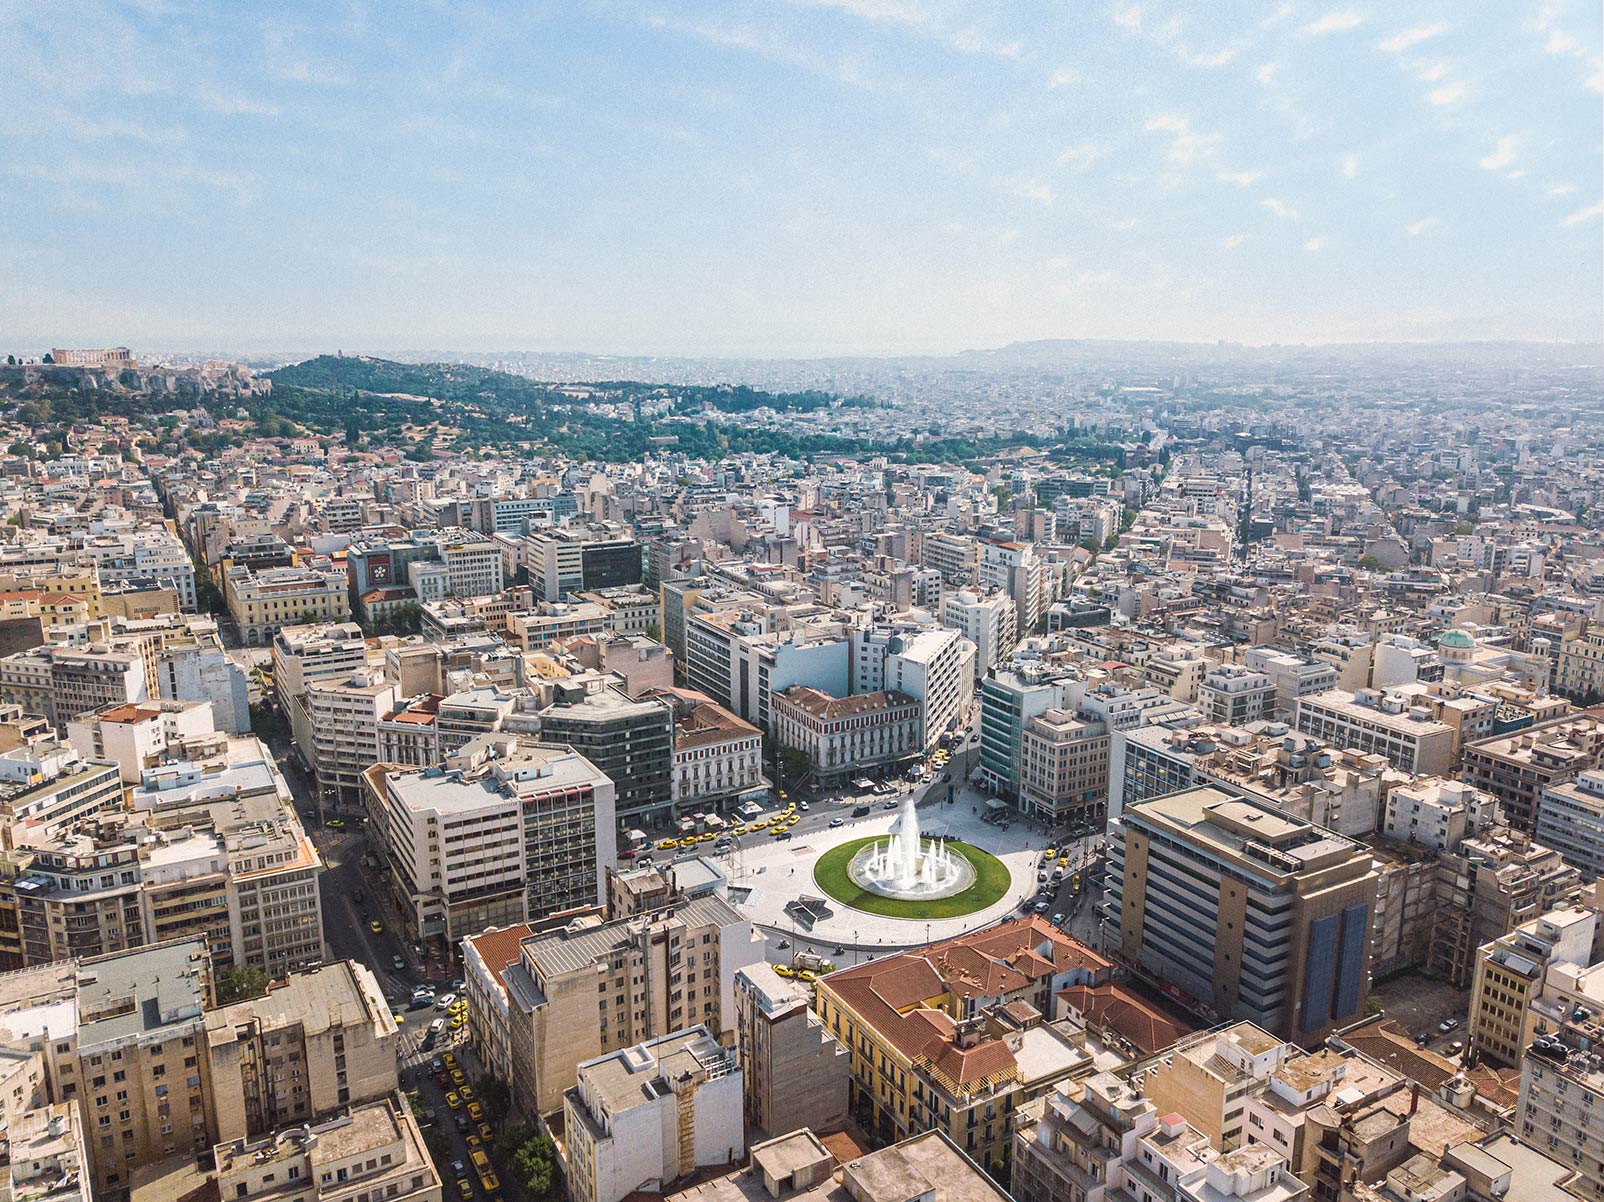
(397, 963)
(1447, 1025)
(445, 1001)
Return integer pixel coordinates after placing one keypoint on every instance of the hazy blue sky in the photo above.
(796, 176)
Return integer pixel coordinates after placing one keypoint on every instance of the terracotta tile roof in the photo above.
(1117, 1009)
(1385, 1040)
(499, 949)
(889, 995)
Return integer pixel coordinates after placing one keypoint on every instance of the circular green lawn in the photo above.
(992, 880)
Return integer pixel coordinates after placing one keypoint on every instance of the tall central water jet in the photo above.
(904, 865)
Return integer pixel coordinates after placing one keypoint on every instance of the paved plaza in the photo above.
(767, 874)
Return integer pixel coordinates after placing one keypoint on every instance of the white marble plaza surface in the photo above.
(768, 873)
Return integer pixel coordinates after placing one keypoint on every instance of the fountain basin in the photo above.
(866, 870)
(833, 878)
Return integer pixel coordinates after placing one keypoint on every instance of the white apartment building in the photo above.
(934, 666)
(302, 654)
(506, 829)
(151, 553)
(1436, 813)
(343, 719)
(990, 622)
(1234, 696)
(1292, 677)
(647, 1115)
(1384, 724)
(1178, 670)
(1015, 569)
(842, 736)
(1570, 819)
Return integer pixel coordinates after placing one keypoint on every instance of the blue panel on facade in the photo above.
(1319, 967)
(1351, 961)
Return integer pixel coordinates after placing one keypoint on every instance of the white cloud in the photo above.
(1128, 16)
(1187, 145)
(1595, 82)
(1234, 241)
(233, 105)
(1560, 189)
(1218, 59)
(1337, 21)
(1266, 73)
(1315, 245)
(1428, 71)
(1350, 166)
(1279, 208)
(1242, 179)
(1582, 215)
(970, 42)
(1449, 93)
(1416, 228)
(1560, 42)
(1063, 78)
(1404, 39)
(1125, 223)
(1082, 154)
(1036, 192)
(1502, 157)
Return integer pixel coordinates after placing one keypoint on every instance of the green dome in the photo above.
(1456, 638)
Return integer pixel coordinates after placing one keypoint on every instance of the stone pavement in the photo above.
(773, 872)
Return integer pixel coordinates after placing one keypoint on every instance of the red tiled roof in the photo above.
(1117, 1009)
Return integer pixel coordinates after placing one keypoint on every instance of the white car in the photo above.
(445, 1001)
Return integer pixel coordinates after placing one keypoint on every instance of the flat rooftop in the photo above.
(139, 992)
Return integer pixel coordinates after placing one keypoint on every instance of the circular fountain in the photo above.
(909, 868)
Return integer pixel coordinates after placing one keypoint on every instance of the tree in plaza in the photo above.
(239, 983)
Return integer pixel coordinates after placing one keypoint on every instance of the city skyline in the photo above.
(830, 177)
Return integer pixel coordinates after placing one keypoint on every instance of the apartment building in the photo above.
(1292, 677)
(933, 666)
(1234, 695)
(1212, 1078)
(990, 622)
(505, 829)
(1517, 767)
(630, 741)
(718, 758)
(374, 1151)
(1108, 1142)
(1063, 765)
(849, 735)
(237, 797)
(796, 1073)
(956, 557)
(593, 988)
(342, 720)
(1561, 1082)
(953, 1038)
(1392, 725)
(46, 788)
(303, 654)
(409, 735)
(645, 1116)
(1015, 569)
(139, 1078)
(1579, 666)
(1513, 971)
(1570, 819)
(316, 1043)
(62, 681)
(261, 603)
(1241, 912)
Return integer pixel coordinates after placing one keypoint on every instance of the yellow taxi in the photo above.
(667, 844)
(453, 1099)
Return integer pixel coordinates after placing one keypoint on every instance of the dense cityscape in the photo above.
(1075, 772)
